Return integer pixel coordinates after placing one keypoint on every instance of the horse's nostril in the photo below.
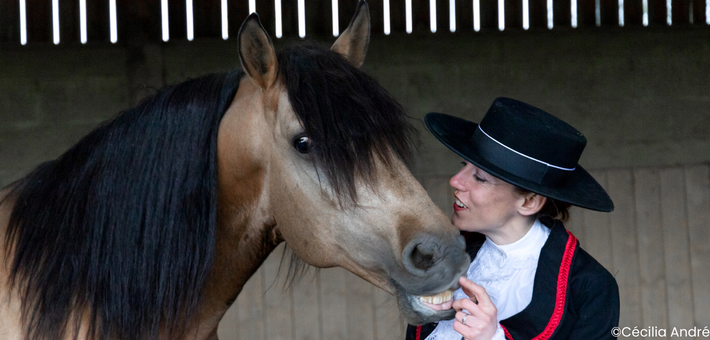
(423, 256)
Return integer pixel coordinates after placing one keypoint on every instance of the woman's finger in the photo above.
(472, 289)
(466, 304)
(462, 317)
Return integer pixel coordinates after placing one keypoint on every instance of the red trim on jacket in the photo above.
(507, 334)
(562, 279)
(419, 332)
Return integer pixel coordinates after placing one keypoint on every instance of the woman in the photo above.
(529, 278)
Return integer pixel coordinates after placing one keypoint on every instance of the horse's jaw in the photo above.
(417, 312)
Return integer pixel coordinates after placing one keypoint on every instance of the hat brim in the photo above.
(581, 189)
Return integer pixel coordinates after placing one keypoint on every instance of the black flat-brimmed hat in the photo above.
(526, 147)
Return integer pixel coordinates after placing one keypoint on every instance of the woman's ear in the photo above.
(531, 204)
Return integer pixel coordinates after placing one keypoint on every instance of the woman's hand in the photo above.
(480, 322)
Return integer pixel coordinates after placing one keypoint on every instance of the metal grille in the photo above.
(125, 21)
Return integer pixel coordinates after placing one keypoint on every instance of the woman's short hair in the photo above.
(552, 210)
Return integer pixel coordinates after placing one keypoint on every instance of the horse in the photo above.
(149, 226)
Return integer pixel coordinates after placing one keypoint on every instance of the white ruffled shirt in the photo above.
(507, 273)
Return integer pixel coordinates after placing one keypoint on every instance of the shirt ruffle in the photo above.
(506, 272)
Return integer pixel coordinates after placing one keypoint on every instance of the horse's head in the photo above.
(317, 148)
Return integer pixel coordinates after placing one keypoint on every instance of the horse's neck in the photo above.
(10, 326)
(244, 240)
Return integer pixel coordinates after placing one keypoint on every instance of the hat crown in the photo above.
(533, 132)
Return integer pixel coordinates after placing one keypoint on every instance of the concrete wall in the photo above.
(642, 98)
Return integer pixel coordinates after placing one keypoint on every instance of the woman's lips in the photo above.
(458, 205)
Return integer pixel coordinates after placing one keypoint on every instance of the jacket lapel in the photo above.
(540, 319)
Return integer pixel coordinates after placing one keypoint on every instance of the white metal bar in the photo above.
(573, 10)
(452, 15)
(386, 11)
(336, 23)
(82, 21)
(23, 22)
(501, 14)
(550, 15)
(55, 20)
(408, 14)
(302, 18)
(432, 15)
(225, 20)
(252, 6)
(645, 12)
(476, 15)
(277, 14)
(190, 20)
(669, 12)
(526, 14)
(113, 25)
(621, 13)
(164, 19)
(598, 12)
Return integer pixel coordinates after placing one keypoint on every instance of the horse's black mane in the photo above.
(348, 116)
(122, 224)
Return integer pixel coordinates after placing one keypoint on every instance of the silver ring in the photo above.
(463, 320)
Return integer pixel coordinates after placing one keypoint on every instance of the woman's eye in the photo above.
(302, 144)
(479, 179)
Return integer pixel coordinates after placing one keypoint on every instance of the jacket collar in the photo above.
(540, 319)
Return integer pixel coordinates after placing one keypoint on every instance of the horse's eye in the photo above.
(302, 144)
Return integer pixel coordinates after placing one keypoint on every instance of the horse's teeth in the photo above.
(438, 298)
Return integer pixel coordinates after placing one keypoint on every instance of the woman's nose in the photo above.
(456, 181)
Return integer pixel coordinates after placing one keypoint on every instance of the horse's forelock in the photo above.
(348, 116)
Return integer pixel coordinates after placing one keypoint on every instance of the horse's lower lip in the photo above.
(418, 312)
(433, 309)
(441, 306)
(438, 299)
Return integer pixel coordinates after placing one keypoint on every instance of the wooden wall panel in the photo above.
(624, 245)
(306, 314)
(597, 231)
(333, 303)
(651, 248)
(278, 303)
(251, 309)
(575, 225)
(697, 186)
(675, 242)
(441, 193)
(360, 308)
(389, 324)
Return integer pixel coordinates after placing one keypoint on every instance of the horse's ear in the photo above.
(256, 52)
(353, 42)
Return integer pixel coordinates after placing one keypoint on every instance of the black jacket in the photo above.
(574, 297)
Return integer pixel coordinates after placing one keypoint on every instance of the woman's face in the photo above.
(483, 203)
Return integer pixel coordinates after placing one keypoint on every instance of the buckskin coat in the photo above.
(574, 297)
